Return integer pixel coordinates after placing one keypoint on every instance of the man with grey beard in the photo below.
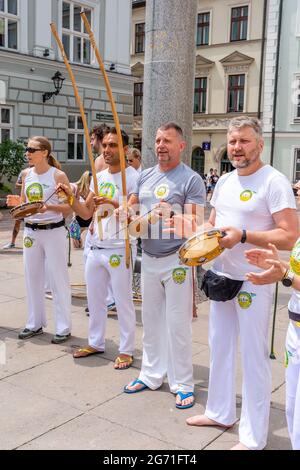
(254, 205)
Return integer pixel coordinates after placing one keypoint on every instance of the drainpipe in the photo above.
(276, 86)
(262, 53)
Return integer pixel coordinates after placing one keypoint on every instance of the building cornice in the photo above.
(48, 65)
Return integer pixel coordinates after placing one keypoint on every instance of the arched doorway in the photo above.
(198, 160)
(225, 166)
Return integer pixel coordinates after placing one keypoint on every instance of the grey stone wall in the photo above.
(32, 117)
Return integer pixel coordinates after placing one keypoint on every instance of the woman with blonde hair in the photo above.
(45, 240)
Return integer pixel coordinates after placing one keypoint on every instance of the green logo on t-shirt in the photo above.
(34, 192)
(161, 191)
(107, 190)
(295, 258)
(246, 195)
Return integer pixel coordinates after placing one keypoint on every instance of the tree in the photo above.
(12, 159)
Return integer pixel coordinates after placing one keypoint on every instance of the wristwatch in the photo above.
(288, 278)
(244, 236)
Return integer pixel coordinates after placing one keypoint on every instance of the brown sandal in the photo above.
(86, 351)
(123, 359)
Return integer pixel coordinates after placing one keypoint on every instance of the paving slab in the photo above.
(83, 383)
(22, 355)
(26, 415)
(89, 432)
(154, 413)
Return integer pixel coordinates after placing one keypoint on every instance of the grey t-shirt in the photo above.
(178, 187)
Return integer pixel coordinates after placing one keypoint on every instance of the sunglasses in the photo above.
(31, 150)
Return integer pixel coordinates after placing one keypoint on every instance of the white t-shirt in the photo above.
(110, 186)
(248, 202)
(39, 187)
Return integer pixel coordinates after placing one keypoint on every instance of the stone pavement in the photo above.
(51, 401)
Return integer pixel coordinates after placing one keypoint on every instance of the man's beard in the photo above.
(240, 164)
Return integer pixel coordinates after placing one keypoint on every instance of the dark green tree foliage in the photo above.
(12, 159)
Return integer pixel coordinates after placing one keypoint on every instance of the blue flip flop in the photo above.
(183, 396)
(136, 381)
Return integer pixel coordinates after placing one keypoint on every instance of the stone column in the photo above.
(169, 71)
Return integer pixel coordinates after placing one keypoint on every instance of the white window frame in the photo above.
(8, 16)
(75, 131)
(207, 93)
(199, 12)
(245, 91)
(9, 125)
(134, 38)
(72, 33)
(295, 150)
(296, 99)
(239, 5)
(297, 32)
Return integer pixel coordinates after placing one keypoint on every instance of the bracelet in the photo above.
(244, 236)
(70, 200)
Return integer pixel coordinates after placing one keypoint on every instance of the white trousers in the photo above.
(49, 246)
(167, 322)
(86, 250)
(102, 267)
(293, 383)
(248, 315)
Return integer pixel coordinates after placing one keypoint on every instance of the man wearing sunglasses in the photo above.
(134, 159)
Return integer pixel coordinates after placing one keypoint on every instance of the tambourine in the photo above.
(26, 209)
(201, 248)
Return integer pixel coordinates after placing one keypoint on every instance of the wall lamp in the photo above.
(58, 83)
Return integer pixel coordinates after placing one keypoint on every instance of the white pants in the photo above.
(87, 248)
(293, 383)
(167, 322)
(103, 267)
(248, 315)
(49, 246)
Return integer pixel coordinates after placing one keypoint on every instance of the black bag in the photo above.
(220, 288)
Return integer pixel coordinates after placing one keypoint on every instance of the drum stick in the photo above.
(117, 125)
(85, 126)
(272, 353)
(172, 213)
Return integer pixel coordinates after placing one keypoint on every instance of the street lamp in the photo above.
(58, 83)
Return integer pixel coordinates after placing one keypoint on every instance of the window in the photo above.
(138, 99)
(239, 24)
(296, 98)
(76, 142)
(200, 95)
(226, 166)
(198, 160)
(74, 36)
(236, 92)
(297, 165)
(9, 24)
(139, 38)
(203, 29)
(5, 123)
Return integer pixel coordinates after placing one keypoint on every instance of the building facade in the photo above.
(282, 90)
(29, 59)
(229, 48)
